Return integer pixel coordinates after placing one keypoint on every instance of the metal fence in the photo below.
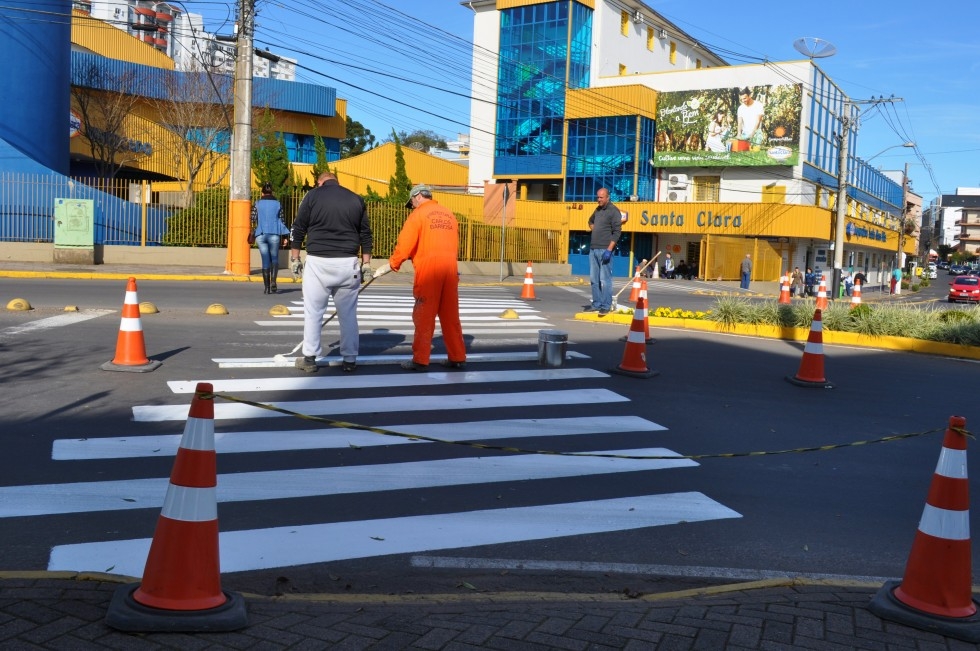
(145, 214)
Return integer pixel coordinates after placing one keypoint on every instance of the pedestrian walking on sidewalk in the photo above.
(268, 227)
(334, 222)
(745, 271)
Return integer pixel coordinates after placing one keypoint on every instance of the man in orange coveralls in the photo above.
(429, 239)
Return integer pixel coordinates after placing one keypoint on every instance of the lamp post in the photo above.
(904, 144)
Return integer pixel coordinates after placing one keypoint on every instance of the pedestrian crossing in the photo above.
(513, 403)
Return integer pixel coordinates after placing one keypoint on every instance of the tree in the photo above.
(421, 140)
(322, 164)
(194, 110)
(399, 186)
(358, 140)
(105, 102)
(270, 157)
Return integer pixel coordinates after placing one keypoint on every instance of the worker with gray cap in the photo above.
(430, 239)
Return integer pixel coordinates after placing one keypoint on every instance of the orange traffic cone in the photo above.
(635, 292)
(646, 322)
(527, 293)
(935, 594)
(822, 302)
(784, 297)
(634, 362)
(811, 366)
(130, 348)
(181, 588)
(856, 293)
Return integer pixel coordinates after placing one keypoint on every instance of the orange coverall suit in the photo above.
(430, 239)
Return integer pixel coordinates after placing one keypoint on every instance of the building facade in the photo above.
(707, 161)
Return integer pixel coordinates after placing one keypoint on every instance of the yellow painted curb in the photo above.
(19, 305)
(832, 337)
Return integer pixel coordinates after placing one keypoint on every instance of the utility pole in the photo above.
(899, 262)
(240, 197)
(840, 218)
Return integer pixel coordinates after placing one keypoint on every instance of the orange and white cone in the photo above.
(856, 294)
(810, 373)
(646, 321)
(182, 576)
(822, 302)
(935, 593)
(527, 292)
(784, 297)
(635, 292)
(130, 347)
(634, 362)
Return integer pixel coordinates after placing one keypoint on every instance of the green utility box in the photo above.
(74, 231)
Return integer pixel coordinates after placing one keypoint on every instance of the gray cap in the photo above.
(418, 189)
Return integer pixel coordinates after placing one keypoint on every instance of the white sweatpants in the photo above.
(324, 278)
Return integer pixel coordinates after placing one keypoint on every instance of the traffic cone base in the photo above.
(810, 373)
(181, 584)
(936, 594)
(130, 347)
(527, 291)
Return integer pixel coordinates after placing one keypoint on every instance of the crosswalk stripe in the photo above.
(296, 329)
(61, 320)
(165, 445)
(435, 378)
(222, 411)
(371, 360)
(128, 494)
(318, 543)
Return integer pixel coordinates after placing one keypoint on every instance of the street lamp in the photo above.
(904, 144)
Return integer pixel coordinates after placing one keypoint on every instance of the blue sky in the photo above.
(405, 64)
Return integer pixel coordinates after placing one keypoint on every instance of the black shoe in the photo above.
(448, 363)
(603, 312)
(348, 367)
(591, 309)
(412, 365)
(307, 364)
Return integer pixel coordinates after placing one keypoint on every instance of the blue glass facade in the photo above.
(544, 49)
(610, 152)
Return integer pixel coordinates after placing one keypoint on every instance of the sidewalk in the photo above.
(65, 613)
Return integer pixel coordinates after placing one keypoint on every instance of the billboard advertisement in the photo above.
(725, 127)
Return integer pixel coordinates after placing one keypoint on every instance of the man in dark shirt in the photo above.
(606, 224)
(334, 223)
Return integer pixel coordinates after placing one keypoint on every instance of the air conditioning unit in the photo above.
(663, 33)
(677, 194)
(677, 181)
(637, 17)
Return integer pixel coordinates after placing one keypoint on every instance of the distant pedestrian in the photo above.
(796, 282)
(668, 267)
(268, 227)
(745, 270)
(810, 279)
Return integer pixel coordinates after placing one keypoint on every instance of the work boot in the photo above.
(448, 363)
(274, 273)
(307, 364)
(412, 365)
(265, 280)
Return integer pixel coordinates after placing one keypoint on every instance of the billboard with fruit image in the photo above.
(725, 127)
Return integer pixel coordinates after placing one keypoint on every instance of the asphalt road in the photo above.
(391, 517)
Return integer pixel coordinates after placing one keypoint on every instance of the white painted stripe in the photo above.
(510, 325)
(222, 411)
(952, 463)
(165, 445)
(266, 362)
(435, 377)
(943, 523)
(129, 324)
(190, 504)
(68, 318)
(127, 494)
(318, 543)
(198, 434)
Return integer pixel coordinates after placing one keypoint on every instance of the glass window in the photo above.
(622, 69)
(707, 188)
(624, 23)
(673, 53)
(610, 152)
(650, 40)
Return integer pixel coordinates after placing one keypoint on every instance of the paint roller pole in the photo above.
(630, 283)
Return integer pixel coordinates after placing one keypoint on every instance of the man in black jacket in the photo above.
(334, 223)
